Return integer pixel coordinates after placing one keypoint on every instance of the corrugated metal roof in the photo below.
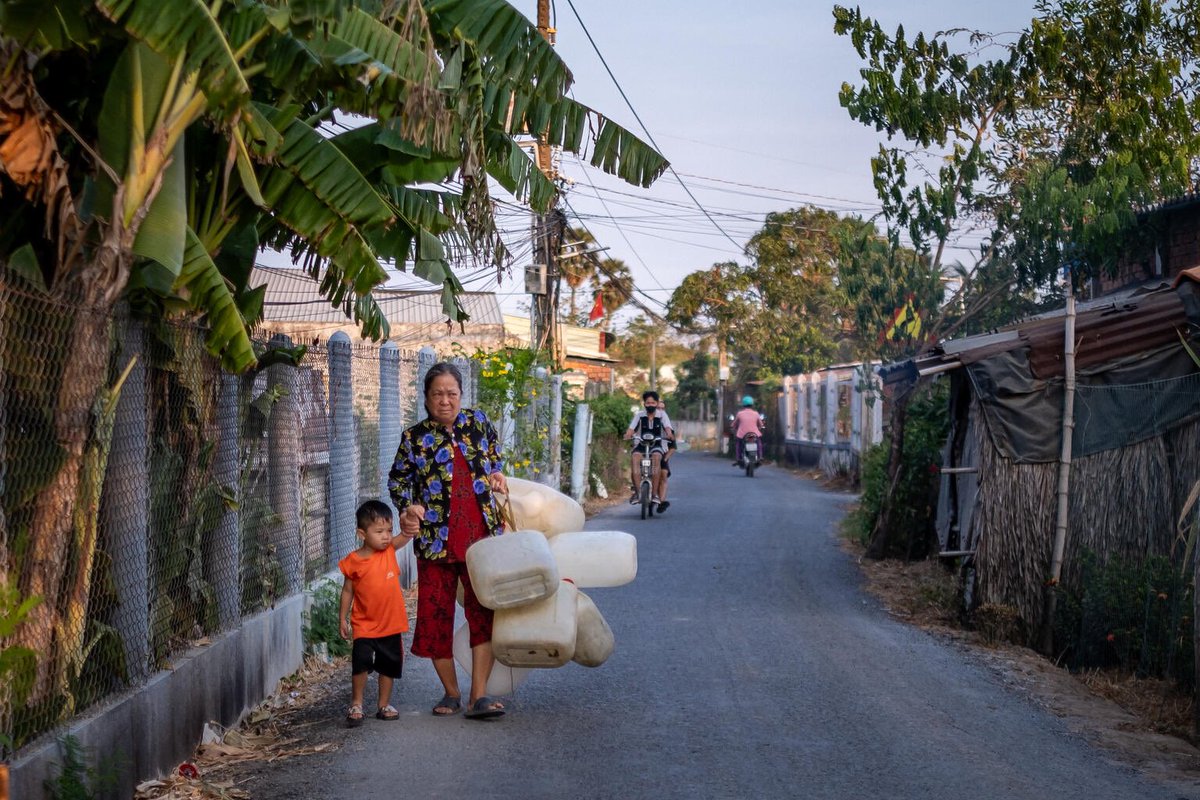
(292, 296)
(1106, 329)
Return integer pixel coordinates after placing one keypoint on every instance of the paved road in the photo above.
(749, 664)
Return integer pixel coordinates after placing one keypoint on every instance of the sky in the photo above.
(742, 98)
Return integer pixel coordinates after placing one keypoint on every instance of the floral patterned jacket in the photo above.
(424, 468)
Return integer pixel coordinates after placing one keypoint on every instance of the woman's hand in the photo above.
(498, 483)
(410, 520)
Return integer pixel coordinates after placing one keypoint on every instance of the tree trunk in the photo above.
(51, 533)
(52, 547)
(885, 524)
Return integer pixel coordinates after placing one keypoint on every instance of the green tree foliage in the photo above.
(697, 377)
(648, 340)
(916, 489)
(1051, 145)
(820, 287)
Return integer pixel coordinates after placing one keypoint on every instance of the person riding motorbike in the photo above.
(748, 420)
(648, 419)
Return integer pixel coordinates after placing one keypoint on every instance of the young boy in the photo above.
(372, 598)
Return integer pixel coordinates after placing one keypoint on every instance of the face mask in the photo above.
(651, 409)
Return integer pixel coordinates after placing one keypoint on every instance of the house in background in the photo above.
(1167, 244)
(590, 369)
(1135, 446)
(294, 307)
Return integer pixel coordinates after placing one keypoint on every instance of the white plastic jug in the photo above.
(593, 559)
(593, 638)
(539, 635)
(504, 680)
(538, 507)
(512, 569)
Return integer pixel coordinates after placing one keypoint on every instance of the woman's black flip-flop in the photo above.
(484, 708)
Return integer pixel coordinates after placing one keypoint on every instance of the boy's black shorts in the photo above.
(384, 655)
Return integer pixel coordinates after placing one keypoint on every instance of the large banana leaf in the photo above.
(162, 235)
(201, 284)
(512, 168)
(618, 152)
(172, 27)
(42, 26)
(381, 153)
(566, 122)
(386, 47)
(508, 43)
(307, 157)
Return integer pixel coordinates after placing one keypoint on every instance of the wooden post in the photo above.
(1064, 474)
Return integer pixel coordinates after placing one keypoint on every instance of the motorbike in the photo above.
(750, 453)
(649, 443)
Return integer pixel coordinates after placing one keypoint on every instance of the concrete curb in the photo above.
(148, 731)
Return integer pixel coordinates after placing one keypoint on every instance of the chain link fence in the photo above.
(149, 502)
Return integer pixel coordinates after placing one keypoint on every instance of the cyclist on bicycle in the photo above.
(649, 420)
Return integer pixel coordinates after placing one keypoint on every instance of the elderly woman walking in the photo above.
(446, 471)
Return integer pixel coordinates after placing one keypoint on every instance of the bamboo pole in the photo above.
(1064, 473)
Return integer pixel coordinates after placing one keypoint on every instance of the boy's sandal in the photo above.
(388, 712)
(354, 716)
(453, 704)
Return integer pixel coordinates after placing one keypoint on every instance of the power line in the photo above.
(645, 130)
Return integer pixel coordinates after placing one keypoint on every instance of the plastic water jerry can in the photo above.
(503, 680)
(512, 570)
(593, 559)
(538, 507)
(593, 638)
(539, 635)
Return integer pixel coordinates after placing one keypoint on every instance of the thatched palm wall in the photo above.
(1123, 502)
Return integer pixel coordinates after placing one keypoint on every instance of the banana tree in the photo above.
(148, 148)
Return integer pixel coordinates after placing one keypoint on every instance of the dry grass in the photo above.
(1159, 704)
(924, 594)
(269, 733)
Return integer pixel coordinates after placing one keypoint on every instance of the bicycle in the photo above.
(649, 443)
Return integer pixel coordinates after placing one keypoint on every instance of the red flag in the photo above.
(597, 311)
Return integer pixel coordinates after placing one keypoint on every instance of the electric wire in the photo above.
(645, 130)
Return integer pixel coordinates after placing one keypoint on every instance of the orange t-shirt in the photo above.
(378, 607)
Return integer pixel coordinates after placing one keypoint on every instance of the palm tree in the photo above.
(579, 263)
(203, 131)
(615, 287)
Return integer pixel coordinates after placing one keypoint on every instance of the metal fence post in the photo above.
(390, 428)
(227, 546)
(579, 451)
(283, 458)
(343, 447)
(389, 415)
(556, 412)
(426, 358)
(128, 478)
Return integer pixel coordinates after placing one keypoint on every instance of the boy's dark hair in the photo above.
(646, 395)
(372, 511)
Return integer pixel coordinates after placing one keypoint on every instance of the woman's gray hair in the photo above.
(443, 368)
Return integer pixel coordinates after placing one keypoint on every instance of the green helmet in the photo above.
(747, 400)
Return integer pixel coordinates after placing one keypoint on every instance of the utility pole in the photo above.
(653, 360)
(722, 376)
(546, 238)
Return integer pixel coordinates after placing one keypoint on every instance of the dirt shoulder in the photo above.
(1144, 724)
